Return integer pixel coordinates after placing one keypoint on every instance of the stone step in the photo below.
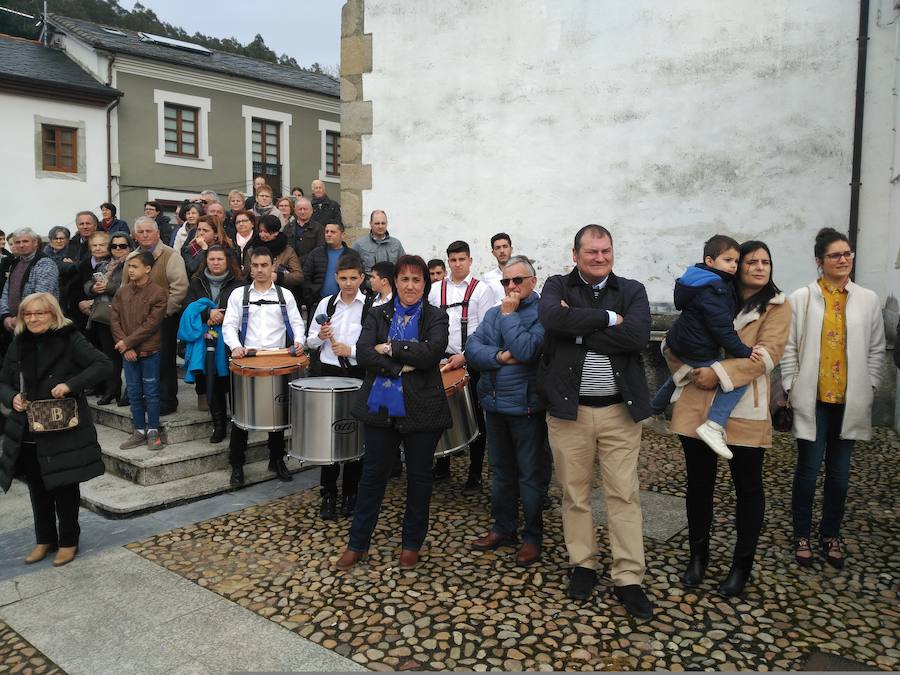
(115, 497)
(186, 424)
(175, 461)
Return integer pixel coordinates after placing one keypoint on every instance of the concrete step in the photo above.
(175, 461)
(115, 497)
(186, 424)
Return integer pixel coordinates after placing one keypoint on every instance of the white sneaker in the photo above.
(713, 435)
(657, 424)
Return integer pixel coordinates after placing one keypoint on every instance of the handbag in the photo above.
(779, 406)
(50, 414)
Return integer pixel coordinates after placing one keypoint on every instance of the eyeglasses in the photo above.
(119, 246)
(204, 202)
(514, 280)
(35, 314)
(834, 257)
(242, 220)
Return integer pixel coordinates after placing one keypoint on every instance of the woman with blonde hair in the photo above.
(50, 359)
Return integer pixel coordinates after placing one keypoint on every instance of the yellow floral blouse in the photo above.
(833, 357)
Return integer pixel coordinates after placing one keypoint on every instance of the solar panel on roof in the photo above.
(175, 44)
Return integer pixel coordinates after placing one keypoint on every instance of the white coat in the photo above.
(865, 351)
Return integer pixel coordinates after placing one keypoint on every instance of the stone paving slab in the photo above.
(463, 609)
(17, 655)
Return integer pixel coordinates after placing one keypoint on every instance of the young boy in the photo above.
(437, 270)
(335, 328)
(137, 314)
(706, 296)
(380, 282)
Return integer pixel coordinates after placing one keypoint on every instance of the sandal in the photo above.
(833, 551)
(803, 552)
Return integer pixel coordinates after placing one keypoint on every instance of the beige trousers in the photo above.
(610, 435)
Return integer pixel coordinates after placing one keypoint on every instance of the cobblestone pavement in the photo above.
(18, 656)
(469, 610)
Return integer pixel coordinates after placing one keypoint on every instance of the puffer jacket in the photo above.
(61, 356)
(423, 389)
(508, 389)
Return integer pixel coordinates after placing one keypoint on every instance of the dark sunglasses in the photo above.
(514, 280)
(119, 246)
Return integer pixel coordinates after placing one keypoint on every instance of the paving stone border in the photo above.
(17, 655)
(467, 610)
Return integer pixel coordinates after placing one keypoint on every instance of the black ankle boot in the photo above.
(734, 583)
(348, 503)
(328, 507)
(220, 428)
(696, 570)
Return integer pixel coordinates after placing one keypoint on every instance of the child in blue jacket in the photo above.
(707, 299)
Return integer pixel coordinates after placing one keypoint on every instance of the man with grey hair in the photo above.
(32, 272)
(505, 349)
(168, 273)
(325, 209)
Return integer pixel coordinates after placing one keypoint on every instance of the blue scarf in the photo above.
(387, 392)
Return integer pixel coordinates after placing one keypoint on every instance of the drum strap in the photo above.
(464, 318)
(245, 313)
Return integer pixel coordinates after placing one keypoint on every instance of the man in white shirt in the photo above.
(272, 322)
(466, 300)
(501, 249)
(334, 330)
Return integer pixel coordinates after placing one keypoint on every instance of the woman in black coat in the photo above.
(401, 401)
(215, 280)
(52, 360)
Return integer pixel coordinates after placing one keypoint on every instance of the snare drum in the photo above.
(462, 411)
(324, 431)
(260, 392)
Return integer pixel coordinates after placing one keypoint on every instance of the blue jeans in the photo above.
(142, 380)
(722, 406)
(516, 452)
(382, 445)
(836, 452)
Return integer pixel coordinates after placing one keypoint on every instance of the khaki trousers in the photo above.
(610, 435)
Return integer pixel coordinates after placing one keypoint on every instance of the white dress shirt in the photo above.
(346, 325)
(382, 299)
(265, 324)
(492, 278)
(481, 301)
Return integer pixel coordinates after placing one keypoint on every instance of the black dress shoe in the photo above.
(348, 504)
(218, 435)
(123, 402)
(696, 569)
(581, 583)
(734, 583)
(106, 399)
(473, 485)
(277, 465)
(168, 410)
(328, 507)
(635, 600)
(237, 476)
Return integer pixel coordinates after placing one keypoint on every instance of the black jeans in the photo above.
(237, 445)
(50, 506)
(476, 447)
(101, 336)
(168, 369)
(746, 474)
(352, 470)
(381, 450)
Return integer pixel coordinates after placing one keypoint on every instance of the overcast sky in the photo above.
(308, 30)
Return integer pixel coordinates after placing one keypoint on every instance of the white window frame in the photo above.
(285, 119)
(324, 127)
(203, 105)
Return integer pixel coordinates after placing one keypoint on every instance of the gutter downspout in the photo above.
(856, 170)
(109, 109)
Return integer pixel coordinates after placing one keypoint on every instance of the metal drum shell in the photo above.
(324, 431)
(261, 402)
(464, 430)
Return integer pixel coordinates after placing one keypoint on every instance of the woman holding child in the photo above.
(763, 321)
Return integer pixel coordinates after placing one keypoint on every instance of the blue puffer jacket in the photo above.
(708, 304)
(508, 389)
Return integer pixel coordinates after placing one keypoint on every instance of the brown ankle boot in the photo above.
(65, 555)
(38, 553)
(349, 559)
(409, 558)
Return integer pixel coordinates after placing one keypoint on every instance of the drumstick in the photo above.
(273, 352)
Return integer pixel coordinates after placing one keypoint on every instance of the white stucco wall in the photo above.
(41, 203)
(667, 122)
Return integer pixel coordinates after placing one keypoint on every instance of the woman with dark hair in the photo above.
(49, 358)
(109, 222)
(831, 369)
(205, 303)
(100, 290)
(763, 319)
(190, 213)
(285, 261)
(245, 230)
(209, 231)
(401, 401)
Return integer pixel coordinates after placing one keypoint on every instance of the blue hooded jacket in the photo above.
(192, 331)
(508, 389)
(708, 304)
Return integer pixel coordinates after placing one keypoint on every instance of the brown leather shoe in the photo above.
(409, 558)
(65, 555)
(492, 541)
(38, 553)
(528, 554)
(349, 559)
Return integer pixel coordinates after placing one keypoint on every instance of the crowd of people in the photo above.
(555, 370)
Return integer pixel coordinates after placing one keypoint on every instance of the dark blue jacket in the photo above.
(708, 304)
(508, 389)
